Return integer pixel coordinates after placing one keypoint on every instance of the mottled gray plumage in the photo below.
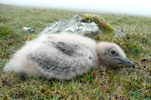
(64, 56)
(68, 62)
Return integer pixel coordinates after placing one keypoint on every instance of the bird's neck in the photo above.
(102, 62)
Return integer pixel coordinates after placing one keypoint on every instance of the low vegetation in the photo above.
(115, 84)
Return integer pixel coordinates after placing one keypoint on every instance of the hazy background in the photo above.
(130, 7)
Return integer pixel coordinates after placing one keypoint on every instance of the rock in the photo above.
(87, 25)
(105, 27)
(73, 25)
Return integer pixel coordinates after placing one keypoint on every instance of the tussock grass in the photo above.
(122, 83)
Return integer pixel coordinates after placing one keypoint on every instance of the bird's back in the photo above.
(60, 56)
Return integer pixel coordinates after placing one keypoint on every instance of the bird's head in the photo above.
(111, 55)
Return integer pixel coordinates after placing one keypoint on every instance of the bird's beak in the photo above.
(128, 63)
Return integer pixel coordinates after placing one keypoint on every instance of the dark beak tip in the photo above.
(129, 63)
(133, 65)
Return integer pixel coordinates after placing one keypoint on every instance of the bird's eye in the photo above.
(113, 52)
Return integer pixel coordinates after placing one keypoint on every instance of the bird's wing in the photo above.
(63, 60)
(66, 48)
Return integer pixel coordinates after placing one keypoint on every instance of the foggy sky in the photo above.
(132, 7)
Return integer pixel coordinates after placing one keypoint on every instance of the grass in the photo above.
(116, 84)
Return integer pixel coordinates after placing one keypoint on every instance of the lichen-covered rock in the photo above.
(73, 25)
(87, 24)
(101, 22)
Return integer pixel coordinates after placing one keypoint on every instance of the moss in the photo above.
(32, 37)
(97, 37)
(103, 25)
